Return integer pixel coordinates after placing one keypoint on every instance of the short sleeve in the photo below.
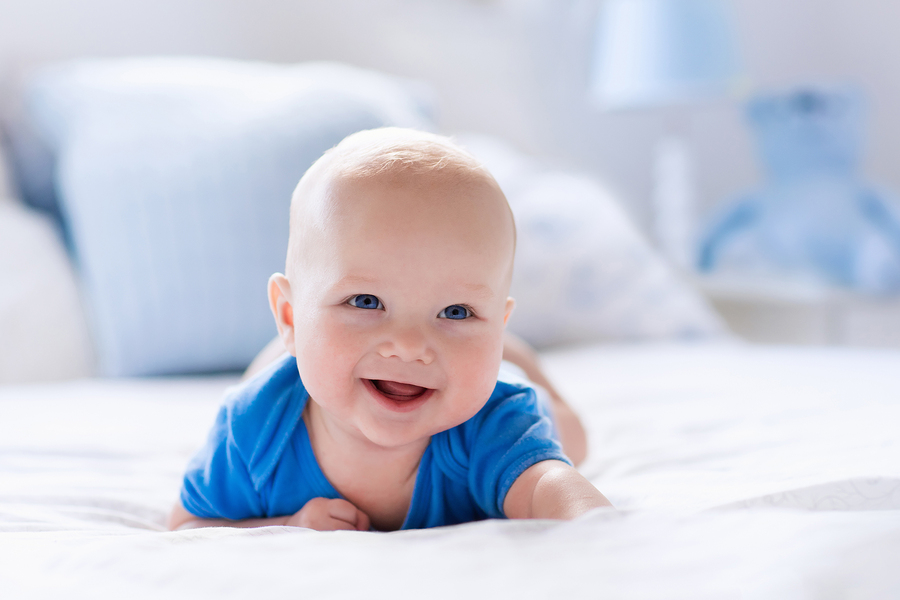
(217, 483)
(509, 435)
(228, 478)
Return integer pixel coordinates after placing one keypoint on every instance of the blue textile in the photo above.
(814, 216)
(174, 177)
(258, 461)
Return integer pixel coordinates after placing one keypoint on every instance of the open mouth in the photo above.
(400, 397)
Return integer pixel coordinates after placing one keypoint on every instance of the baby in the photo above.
(387, 411)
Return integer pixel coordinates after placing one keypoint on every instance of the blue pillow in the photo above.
(174, 177)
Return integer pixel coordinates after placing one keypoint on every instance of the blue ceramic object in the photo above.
(656, 52)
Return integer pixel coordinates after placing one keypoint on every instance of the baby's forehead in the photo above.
(427, 182)
(339, 186)
(441, 196)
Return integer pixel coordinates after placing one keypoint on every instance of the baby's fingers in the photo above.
(360, 520)
(331, 524)
(329, 514)
(344, 511)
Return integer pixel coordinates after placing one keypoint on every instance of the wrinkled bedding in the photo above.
(737, 471)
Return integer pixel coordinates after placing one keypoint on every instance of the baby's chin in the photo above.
(396, 437)
(406, 431)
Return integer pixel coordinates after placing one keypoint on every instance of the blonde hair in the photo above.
(394, 151)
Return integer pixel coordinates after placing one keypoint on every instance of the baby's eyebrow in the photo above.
(479, 288)
(354, 280)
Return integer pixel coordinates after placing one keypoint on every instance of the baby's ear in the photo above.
(510, 305)
(280, 303)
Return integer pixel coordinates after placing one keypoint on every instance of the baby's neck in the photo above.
(377, 480)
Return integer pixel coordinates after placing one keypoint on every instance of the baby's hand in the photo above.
(329, 514)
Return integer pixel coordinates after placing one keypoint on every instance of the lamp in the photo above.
(654, 53)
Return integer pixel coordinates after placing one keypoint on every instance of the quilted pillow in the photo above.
(174, 179)
(583, 272)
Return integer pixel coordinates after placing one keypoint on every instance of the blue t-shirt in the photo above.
(258, 461)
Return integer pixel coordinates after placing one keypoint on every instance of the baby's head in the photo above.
(396, 289)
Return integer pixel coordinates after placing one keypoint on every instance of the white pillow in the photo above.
(583, 272)
(44, 331)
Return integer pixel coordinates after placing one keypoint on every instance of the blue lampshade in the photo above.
(655, 52)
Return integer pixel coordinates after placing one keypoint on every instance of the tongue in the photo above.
(393, 388)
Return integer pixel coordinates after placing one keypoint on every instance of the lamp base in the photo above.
(674, 201)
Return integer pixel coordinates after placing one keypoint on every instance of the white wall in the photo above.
(516, 68)
(784, 43)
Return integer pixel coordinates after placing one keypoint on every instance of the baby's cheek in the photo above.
(326, 357)
(479, 362)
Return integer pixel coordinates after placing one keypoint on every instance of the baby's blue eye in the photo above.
(456, 312)
(366, 301)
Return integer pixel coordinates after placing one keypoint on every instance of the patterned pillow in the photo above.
(583, 272)
(174, 179)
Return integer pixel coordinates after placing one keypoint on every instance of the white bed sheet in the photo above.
(739, 472)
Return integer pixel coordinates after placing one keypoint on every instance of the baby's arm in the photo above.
(321, 514)
(551, 489)
(571, 431)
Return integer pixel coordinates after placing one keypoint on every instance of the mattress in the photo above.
(737, 472)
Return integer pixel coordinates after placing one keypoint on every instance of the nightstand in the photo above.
(793, 312)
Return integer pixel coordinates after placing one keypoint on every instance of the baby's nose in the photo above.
(409, 344)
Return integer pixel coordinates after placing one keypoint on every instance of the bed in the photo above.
(737, 471)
